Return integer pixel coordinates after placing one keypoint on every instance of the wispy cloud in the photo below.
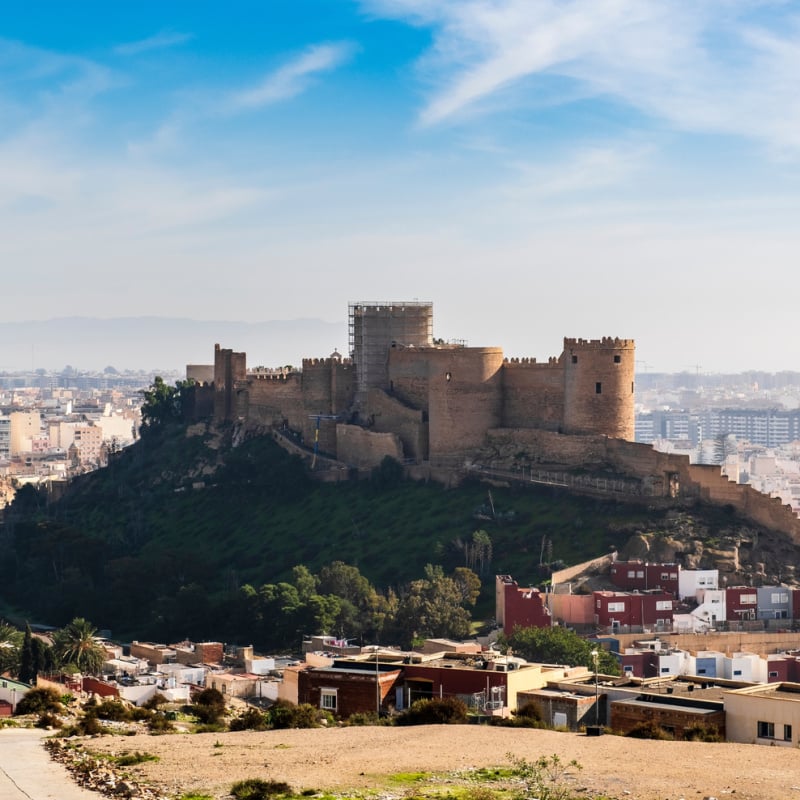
(710, 67)
(293, 77)
(158, 41)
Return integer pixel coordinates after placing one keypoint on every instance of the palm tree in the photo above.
(74, 644)
(10, 647)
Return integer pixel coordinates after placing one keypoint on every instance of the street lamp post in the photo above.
(595, 657)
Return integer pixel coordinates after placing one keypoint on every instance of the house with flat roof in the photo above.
(764, 714)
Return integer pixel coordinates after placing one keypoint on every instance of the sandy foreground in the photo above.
(364, 758)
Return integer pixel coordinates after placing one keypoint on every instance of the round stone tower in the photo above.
(598, 387)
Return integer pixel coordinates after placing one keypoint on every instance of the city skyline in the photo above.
(536, 169)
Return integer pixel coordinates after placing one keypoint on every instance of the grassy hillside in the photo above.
(136, 548)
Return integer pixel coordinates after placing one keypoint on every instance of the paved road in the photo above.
(27, 773)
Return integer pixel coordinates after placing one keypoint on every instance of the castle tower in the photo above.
(375, 326)
(598, 387)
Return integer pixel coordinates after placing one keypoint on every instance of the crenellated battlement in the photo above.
(605, 342)
(273, 375)
(529, 363)
(327, 362)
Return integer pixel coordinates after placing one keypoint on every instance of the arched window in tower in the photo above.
(598, 388)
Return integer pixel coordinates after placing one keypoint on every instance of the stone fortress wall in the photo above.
(439, 399)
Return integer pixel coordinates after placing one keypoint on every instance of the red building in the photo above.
(519, 608)
(741, 603)
(643, 576)
(349, 688)
(632, 611)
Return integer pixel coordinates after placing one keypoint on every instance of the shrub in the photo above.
(649, 730)
(251, 720)
(283, 714)
(39, 701)
(258, 789)
(544, 778)
(155, 701)
(131, 759)
(526, 716)
(702, 733)
(48, 721)
(447, 711)
(158, 723)
(209, 706)
(114, 710)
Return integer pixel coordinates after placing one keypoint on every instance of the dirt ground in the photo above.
(363, 758)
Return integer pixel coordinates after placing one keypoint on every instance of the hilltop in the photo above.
(160, 542)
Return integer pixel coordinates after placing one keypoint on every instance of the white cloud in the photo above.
(709, 67)
(158, 41)
(293, 77)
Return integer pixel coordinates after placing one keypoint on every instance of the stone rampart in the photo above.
(565, 575)
(533, 394)
(365, 449)
(275, 401)
(465, 398)
(408, 375)
(388, 415)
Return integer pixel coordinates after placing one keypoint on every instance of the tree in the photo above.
(433, 607)
(163, 403)
(559, 645)
(27, 666)
(10, 648)
(75, 645)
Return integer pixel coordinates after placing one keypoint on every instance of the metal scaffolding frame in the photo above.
(375, 326)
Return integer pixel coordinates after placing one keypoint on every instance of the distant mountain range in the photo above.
(161, 343)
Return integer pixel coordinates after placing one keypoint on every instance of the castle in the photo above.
(440, 407)
(406, 395)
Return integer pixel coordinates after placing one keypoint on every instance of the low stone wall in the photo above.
(364, 449)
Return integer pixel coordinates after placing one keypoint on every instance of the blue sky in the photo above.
(536, 169)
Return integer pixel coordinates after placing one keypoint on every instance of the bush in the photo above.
(114, 710)
(283, 714)
(257, 789)
(526, 716)
(649, 730)
(251, 720)
(39, 701)
(48, 721)
(158, 723)
(448, 711)
(702, 733)
(546, 777)
(209, 706)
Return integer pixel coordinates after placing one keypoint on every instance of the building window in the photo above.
(664, 669)
(615, 607)
(598, 388)
(737, 672)
(448, 376)
(574, 359)
(747, 599)
(617, 359)
(766, 730)
(787, 733)
(665, 576)
(701, 671)
(663, 605)
(773, 674)
(631, 573)
(328, 699)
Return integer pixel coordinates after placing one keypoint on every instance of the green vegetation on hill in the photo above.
(179, 534)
